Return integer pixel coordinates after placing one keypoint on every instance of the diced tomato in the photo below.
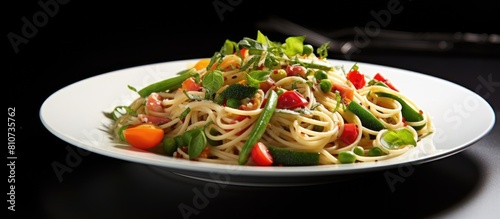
(143, 136)
(295, 70)
(260, 155)
(350, 133)
(190, 85)
(266, 85)
(263, 103)
(153, 103)
(356, 78)
(291, 99)
(347, 93)
(382, 79)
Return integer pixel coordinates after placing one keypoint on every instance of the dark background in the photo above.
(83, 39)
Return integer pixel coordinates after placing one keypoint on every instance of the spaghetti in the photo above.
(324, 113)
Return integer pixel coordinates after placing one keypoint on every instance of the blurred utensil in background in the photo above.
(353, 40)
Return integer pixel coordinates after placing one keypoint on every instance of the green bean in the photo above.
(367, 118)
(259, 127)
(169, 83)
(378, 83)
(313, 64)
(410, 114)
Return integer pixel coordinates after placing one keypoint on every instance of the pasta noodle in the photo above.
(209, 111)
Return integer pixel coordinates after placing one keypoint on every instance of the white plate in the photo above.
(75, 115)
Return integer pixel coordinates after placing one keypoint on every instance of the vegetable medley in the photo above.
(260, 102)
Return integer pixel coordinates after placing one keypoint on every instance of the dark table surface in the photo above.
(79, 40)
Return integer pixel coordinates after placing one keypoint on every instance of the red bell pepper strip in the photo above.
(382, 79)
